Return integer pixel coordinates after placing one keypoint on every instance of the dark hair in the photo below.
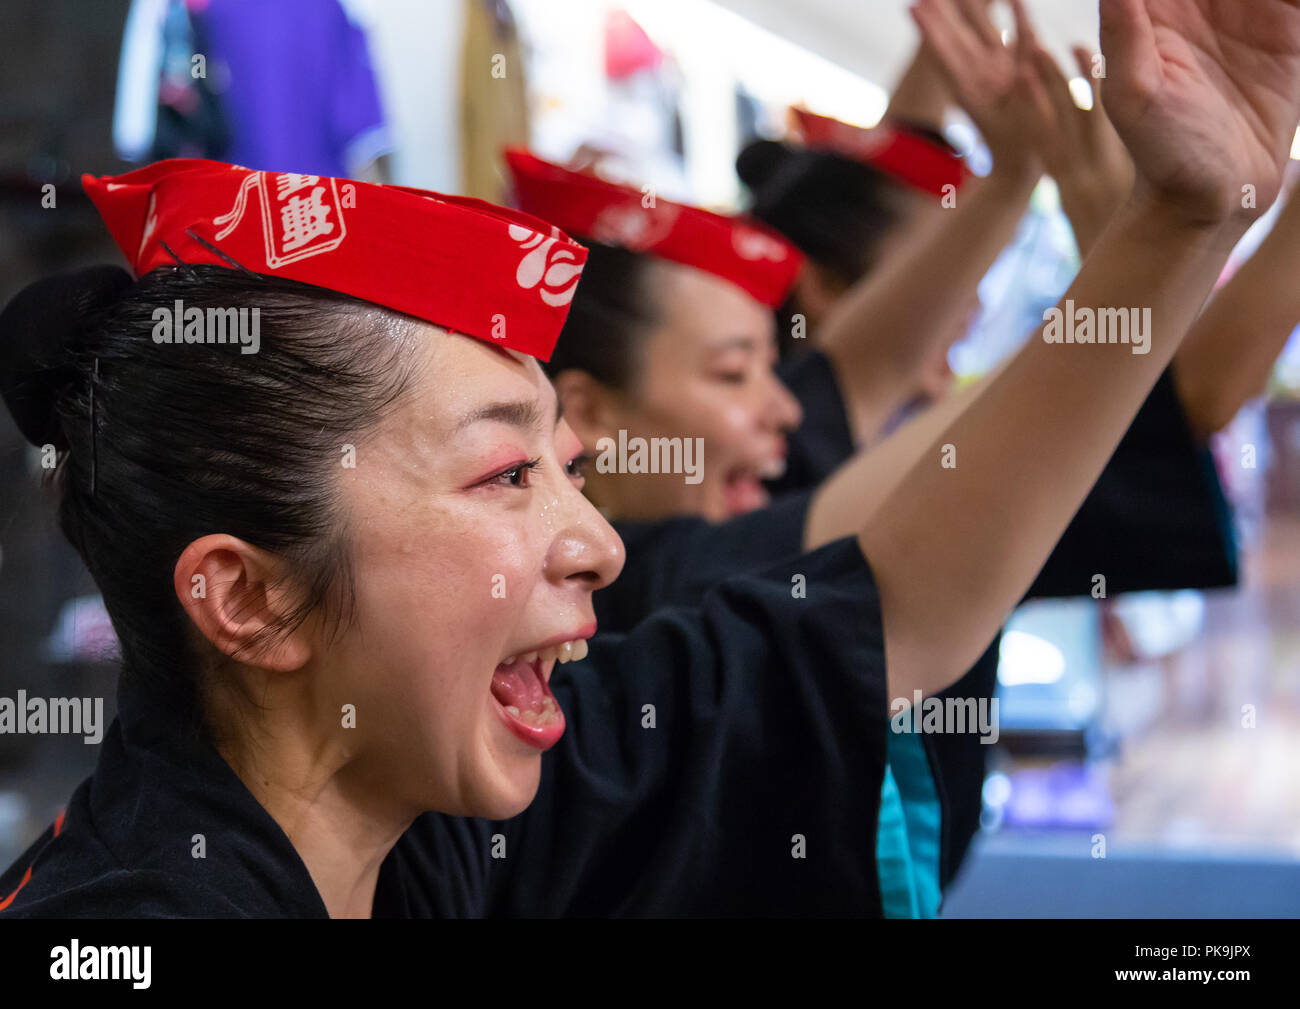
(834, 209)
(613, 311)
(192, 439)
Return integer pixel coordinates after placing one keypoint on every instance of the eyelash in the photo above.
(575, 467)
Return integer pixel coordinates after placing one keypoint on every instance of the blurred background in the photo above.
(1122, 728)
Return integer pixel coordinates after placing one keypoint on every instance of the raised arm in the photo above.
(887, 325)
(921, 95)
(1205, 100)
(1229, 354)
(1079, 147)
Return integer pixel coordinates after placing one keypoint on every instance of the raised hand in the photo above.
(1205, 95)
(1079, 147)
(985, 75)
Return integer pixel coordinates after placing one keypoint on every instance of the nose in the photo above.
(585, 549)
(784, 411)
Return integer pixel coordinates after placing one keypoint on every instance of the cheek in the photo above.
(460, 571)
(732, 427)
(436, 600)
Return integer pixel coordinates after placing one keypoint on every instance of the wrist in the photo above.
(1157, 221)
(1014, 176)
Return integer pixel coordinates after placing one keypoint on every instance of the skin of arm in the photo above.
(1228, 356)
(953, 549)
(862, 483)
(920, 98)
(879, 333)
(921, 95)
(958, 547)
(1079, 147)
(888, 324)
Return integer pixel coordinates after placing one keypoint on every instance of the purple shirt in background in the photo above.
(299, 91)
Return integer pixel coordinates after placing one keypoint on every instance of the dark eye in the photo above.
(517, 475)
(732, 377)
(576, 467)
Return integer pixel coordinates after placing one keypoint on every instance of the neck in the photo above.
(324, 799)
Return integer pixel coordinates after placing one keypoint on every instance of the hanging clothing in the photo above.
(297, 85)
(165, 105)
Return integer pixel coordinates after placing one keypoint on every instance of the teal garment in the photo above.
(909, 836)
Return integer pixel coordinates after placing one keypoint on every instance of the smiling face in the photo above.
(471, 544)
(705, 372)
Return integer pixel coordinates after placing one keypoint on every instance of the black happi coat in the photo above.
(756, 790)
(1157, 518)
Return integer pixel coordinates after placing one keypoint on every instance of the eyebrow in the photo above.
(747, 342)
(517, 413)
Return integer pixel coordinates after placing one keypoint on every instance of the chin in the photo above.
(509, 797)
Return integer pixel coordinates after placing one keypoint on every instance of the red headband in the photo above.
(458, 263)
(738, 250)
(910, 158)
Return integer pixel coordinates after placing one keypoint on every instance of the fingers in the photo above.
(975, 14)
(1056, 85)
(1083, 58)
(1026, 38)
(949, 36)
(1129, 44)
(1043, 123)
(955, 48)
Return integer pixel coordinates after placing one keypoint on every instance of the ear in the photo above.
(591, 407)
(816, 292)
(230, 591)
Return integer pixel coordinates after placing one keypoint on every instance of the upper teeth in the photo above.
(566, 651)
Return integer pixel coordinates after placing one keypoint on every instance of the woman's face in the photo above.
(706, 373)
(472, 544)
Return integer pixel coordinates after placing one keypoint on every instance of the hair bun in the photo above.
(760, 160)
(36, 328)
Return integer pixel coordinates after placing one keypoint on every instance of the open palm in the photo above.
(1205, 94)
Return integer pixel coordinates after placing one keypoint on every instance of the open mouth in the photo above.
(744, 491)
(521, 690)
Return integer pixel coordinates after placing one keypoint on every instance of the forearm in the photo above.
(921, 95)
(1089, 205)
(953, 549)
(843, 501)
(1229, 354)
(889, 322)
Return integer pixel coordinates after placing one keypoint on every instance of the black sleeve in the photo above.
(673, 563)
(769, 735)
(823, 441)
(1156, 519)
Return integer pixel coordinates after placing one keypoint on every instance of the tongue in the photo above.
(518, 684)
(745, 494)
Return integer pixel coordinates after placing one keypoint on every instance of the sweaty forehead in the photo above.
(460, 375)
